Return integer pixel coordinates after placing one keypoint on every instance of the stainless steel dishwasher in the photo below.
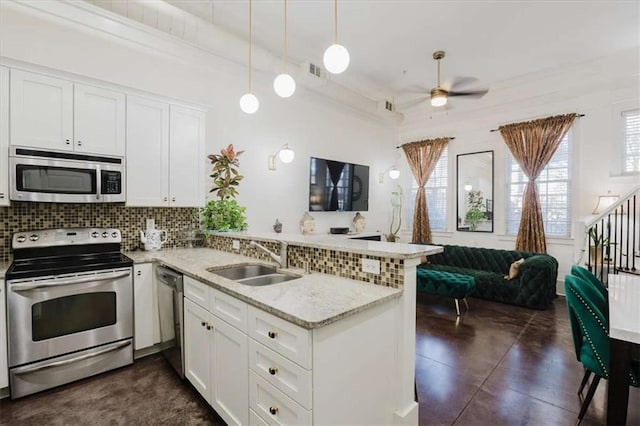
(170, 293)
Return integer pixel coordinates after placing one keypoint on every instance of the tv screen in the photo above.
(338, 186)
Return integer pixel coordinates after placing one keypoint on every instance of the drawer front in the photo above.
(197, 292)
(286, 338)
(256, 420)
(228, 308)
(278, 371)
(273, 406)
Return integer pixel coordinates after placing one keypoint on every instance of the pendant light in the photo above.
(249, 102)
(284, 84)
(336, 57)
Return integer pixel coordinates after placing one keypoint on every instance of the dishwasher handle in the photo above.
(170, 278)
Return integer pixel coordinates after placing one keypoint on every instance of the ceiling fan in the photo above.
(453, 87)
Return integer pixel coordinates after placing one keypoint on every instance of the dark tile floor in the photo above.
(496, 365)
(501, 365)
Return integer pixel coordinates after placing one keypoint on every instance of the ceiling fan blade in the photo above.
(456, 83)
(411, 103)
(470, 93)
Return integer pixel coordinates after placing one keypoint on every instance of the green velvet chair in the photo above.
(590, 329)
(585, 274)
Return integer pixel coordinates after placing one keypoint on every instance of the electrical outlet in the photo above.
(371, 266)
(151, 224)
(235, 244)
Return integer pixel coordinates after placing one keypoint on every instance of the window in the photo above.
(631, 150)
(554, 189)
(436, 190)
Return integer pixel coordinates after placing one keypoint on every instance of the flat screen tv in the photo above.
(338, 186)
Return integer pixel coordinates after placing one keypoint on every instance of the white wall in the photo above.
(311, 124)
(599, 89)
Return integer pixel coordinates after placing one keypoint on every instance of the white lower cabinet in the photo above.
(4, 372)
(216, 359)
(145, 312)
(258, 369)
(4, 136)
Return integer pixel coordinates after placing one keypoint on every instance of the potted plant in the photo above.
(225, 213)
(598, 244)
(475, 209)
(396, 217)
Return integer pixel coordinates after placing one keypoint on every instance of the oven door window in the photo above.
(55, 180)
(72, 314)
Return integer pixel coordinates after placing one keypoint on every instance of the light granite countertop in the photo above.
(312, 301)
(342, 243)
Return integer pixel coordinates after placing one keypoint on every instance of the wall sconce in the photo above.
(285, 154)
(604, 201)
(468, 187)
(394, 173)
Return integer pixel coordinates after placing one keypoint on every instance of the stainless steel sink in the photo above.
(240, 272)
(268, 279)
(253, 274)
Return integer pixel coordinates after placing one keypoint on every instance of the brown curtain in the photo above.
(422, 157)
(532, 144)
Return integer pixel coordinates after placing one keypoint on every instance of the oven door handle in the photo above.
(110, 348)
(82, 280)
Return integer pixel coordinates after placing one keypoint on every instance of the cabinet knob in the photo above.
(1, 195)
(79, 143)
(272, 334)
(203, 323)
(139, 273)
(165, 199)
(209, 327)
(173, 199)
(273, 371)
(273, 410)
(67, 141)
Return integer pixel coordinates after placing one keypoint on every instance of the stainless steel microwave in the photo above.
(65, 177)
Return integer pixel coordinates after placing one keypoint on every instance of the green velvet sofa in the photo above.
(534, 286)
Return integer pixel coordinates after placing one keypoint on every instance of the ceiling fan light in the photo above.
(284, 85)
(336, 58)
(438, 99)
(249, 103)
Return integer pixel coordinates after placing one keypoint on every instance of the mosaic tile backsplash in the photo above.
(343, 264)
(130, 220)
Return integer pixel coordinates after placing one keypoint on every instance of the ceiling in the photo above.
(391, 41)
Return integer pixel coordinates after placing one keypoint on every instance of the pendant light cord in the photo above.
(438, 73)
(284, 66)
(250, 43)
(335, 21)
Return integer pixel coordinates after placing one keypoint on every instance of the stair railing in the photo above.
(613, 238)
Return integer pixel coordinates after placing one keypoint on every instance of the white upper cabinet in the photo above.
(98, 125)
(56, 114)
(186, 153)
(41, 111)
(147, 152)
(4, 136)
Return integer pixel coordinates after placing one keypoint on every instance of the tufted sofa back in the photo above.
(484, 259)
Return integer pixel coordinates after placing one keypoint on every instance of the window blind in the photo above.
(631, 159)
(554, 189)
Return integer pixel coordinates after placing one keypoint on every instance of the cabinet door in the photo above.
(41, 111)
(197, 348)
(186, 157)
(4, 136)
(229, 373)
(98, 125)
(145, 306)
(147, 152)
(4, 377)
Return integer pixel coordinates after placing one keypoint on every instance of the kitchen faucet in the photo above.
(282, 259)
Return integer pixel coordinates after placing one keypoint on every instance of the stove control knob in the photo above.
(94, 234)
(21, 238)
(34, 237)
(105, 235)
(114, 234)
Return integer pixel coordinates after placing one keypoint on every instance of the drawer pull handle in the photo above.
(273, 410)
(272, 334)
(273, 371)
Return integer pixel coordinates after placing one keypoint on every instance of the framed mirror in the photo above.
(475, 192)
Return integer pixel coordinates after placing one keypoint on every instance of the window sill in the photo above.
(555, 241)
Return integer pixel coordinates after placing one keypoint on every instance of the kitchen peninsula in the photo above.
(333, 346)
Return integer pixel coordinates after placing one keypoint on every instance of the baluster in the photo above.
(628, 228)
(621, 235)
(632, 254)
(616, 261)
(608, 250)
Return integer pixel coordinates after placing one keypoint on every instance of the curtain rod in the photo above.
(495, 130)
(400, 146)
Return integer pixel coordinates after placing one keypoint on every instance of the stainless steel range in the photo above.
(70, 307)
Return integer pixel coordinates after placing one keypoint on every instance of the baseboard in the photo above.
(141, 353)
(4, 393)
(408, 416)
